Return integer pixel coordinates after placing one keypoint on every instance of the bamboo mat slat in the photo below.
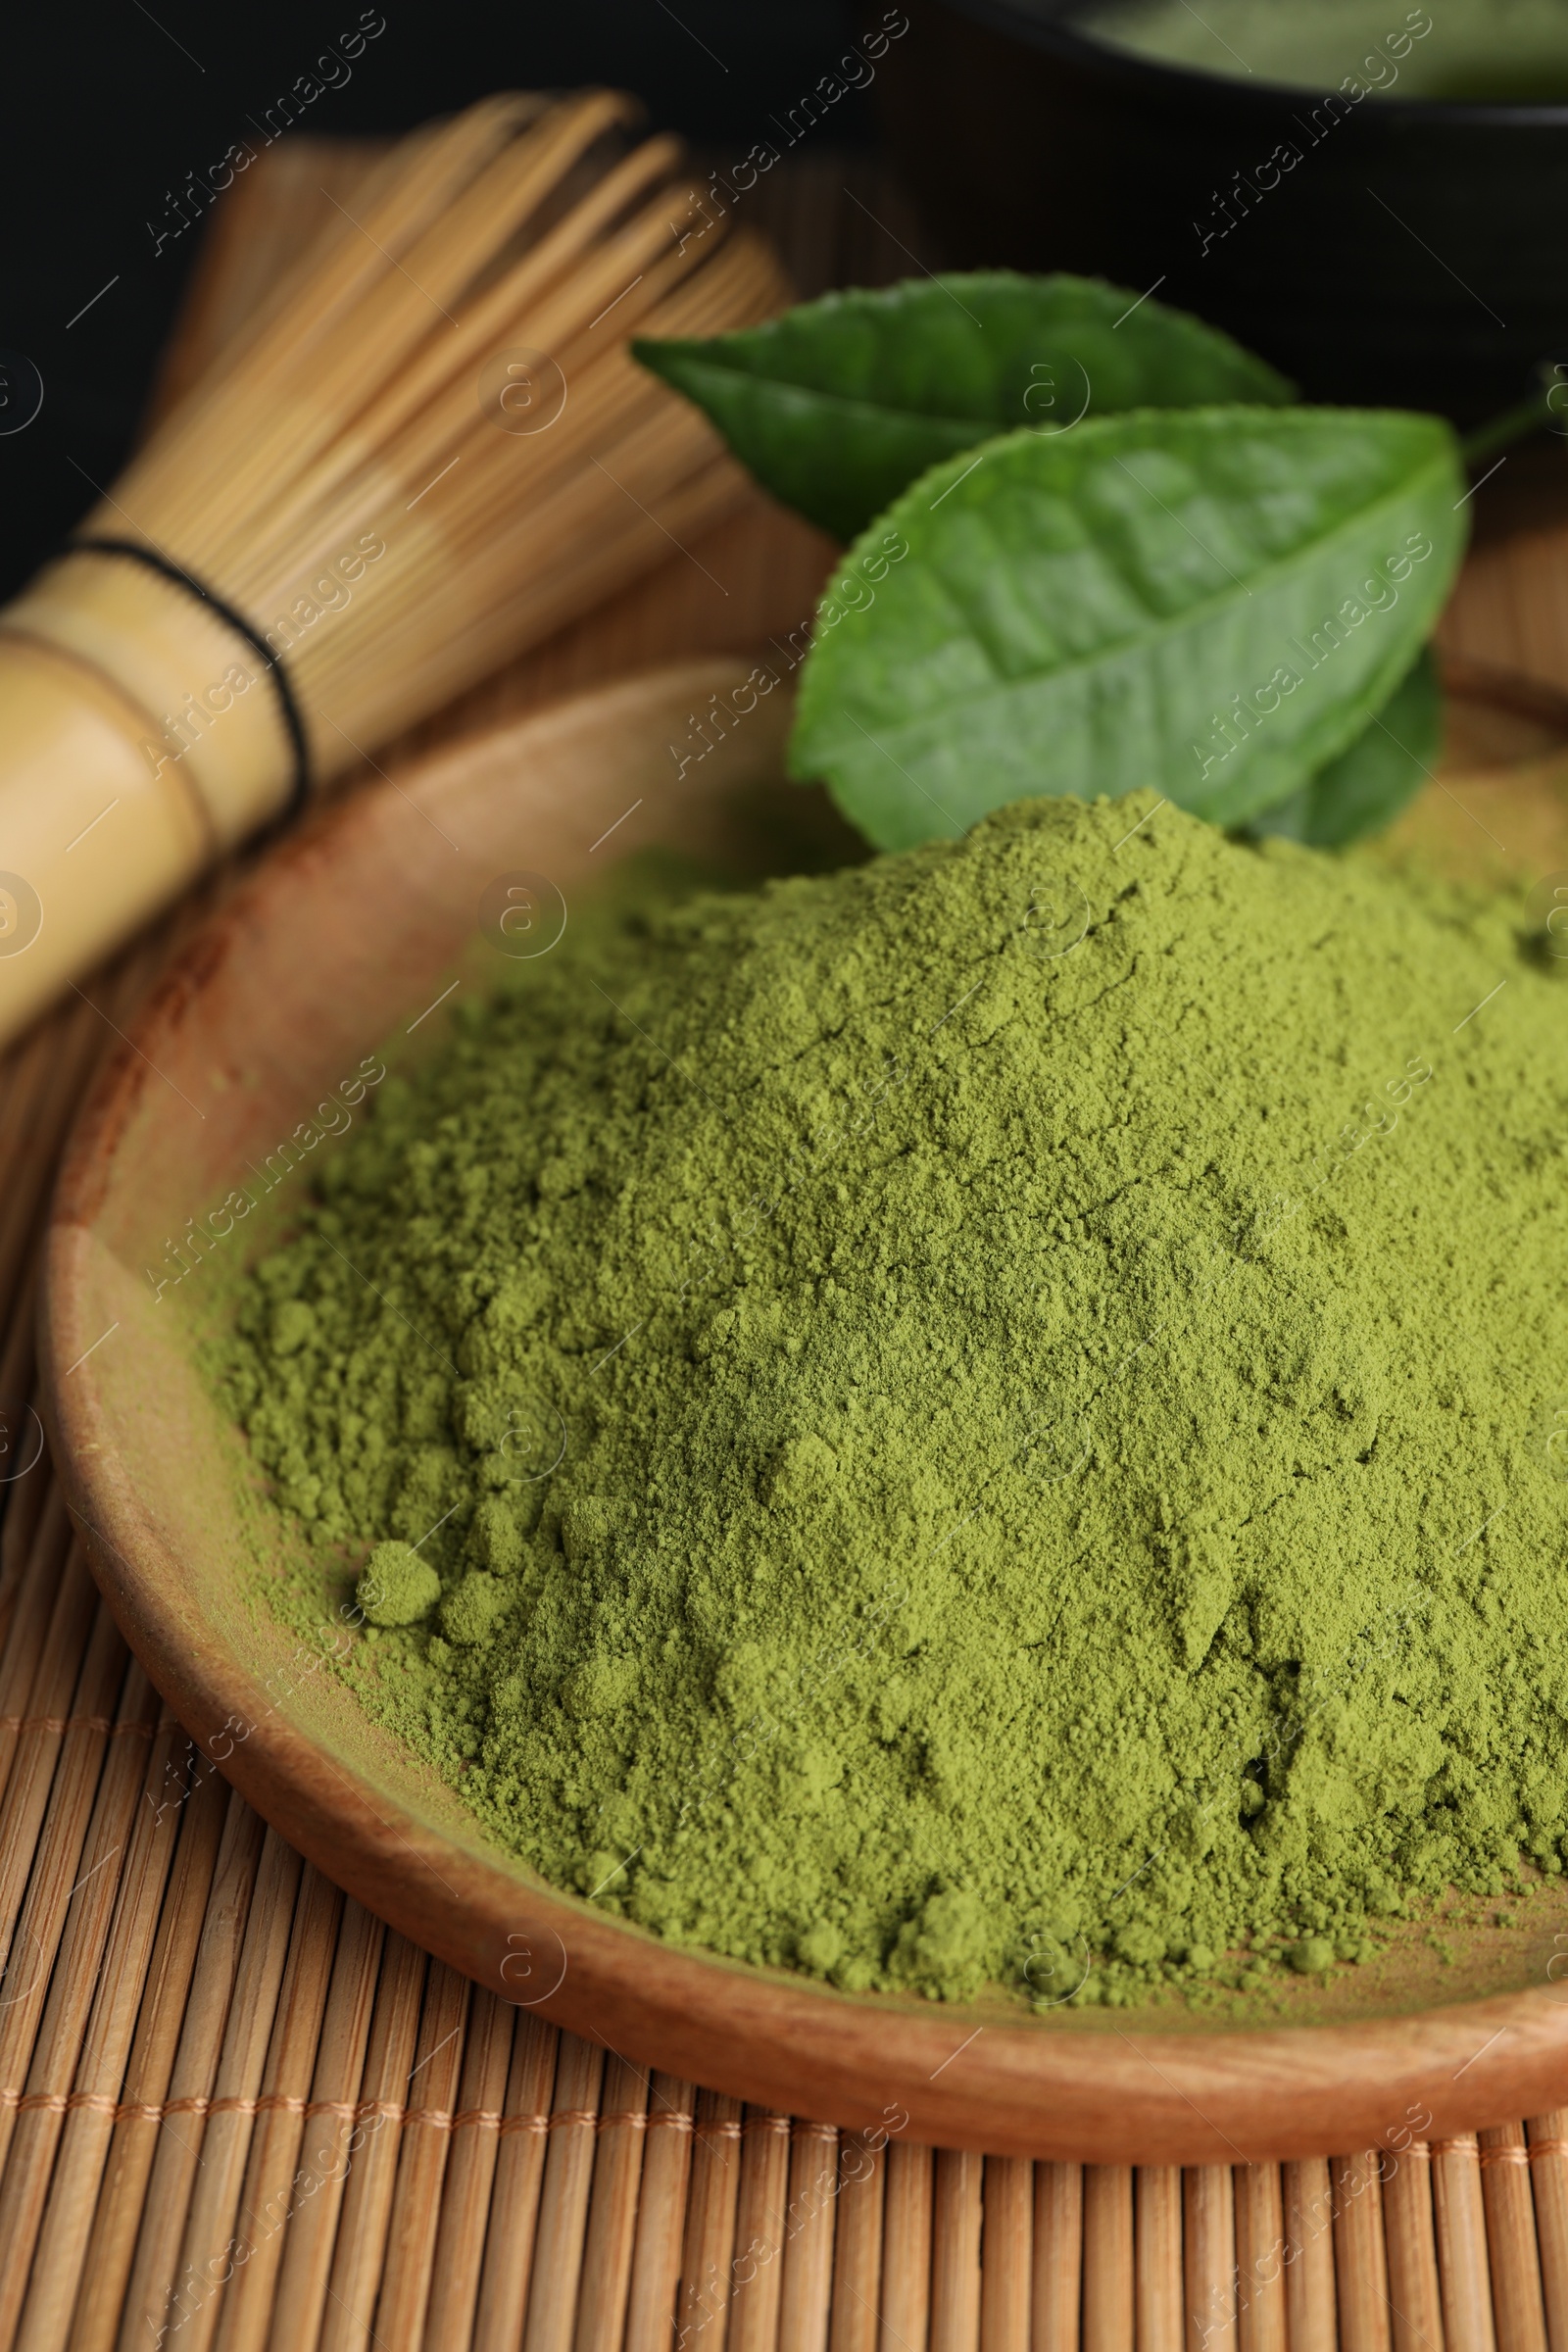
(906, 2245)
(1007, 2219)
(1108, 2307)
(1415, 2298)
(857, 2254)
(1548, 2136)
(1462, 2264)
(236, 2113)
(1158, 2259)
(1259, 2269)
(1058, 2252)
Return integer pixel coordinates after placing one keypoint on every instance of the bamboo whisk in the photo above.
(431, 450)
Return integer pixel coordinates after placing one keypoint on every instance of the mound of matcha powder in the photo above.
(986, 1416)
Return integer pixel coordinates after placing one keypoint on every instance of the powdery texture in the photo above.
(1053, 1343)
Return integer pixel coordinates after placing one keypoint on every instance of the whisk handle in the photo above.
(136, 552)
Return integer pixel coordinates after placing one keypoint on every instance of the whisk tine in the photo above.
(513, 554)
(281, 420)
(343, 487)
(475, 229)
(493, 313)
(409, 191)
(429, 412)
(394, 203)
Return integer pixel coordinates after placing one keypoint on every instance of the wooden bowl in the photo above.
(347, 934)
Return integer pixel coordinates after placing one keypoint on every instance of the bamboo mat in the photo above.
(236, 2112)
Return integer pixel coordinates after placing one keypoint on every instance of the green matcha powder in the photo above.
(990, 1416)
(1461, 50)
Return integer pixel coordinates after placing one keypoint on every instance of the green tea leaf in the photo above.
(1367, 786)
(841, 403)
(1212, 603)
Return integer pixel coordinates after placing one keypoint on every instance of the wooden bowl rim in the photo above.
(1104, 2091)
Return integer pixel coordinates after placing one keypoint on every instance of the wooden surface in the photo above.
(234, 2109)
(276, 998)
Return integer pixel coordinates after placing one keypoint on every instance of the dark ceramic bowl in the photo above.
(1415, 254)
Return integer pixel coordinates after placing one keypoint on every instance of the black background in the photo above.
(105, 111)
